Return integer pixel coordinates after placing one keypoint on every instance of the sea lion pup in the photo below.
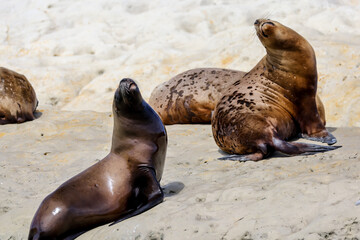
(17, 98)
(123, 184)
(275, 101)
(191, 96)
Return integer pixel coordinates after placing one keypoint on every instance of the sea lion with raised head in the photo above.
(275, 101)
(123, 184)
(191, 96)
(18, 100)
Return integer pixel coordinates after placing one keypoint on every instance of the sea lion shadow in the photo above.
(37, 114)
(331, 129)
(172, 188)
(274, 154)
(223, 153)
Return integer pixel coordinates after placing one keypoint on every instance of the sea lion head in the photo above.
(274, 35)
(286, 49)
(127, 97)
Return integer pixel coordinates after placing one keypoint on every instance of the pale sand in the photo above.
(301, 197)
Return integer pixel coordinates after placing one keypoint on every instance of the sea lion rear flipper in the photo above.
(147, 193)
(329, 138)
(300, 148)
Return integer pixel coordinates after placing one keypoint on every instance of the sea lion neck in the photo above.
(292, 70)
(289, 74)
(287, 51)
(300, 61)
(129, 123)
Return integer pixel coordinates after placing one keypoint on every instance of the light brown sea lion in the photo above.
(17, 98)
(123, 184)
(275, 102)
(191, 96)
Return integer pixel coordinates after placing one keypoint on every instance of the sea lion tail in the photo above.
(300, 148)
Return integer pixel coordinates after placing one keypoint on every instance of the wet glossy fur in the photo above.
(123, 184)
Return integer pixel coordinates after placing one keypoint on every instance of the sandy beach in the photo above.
(302, 197)
(75, 53)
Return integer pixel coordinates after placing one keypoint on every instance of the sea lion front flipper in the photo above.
(147, 193)
(329, 138)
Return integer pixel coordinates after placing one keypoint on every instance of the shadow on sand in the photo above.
(172, 188)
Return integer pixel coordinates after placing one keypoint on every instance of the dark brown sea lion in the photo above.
(275, 101)
(123, 184)
(17, 98)
(191, 96)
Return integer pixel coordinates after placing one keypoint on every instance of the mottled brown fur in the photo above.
(17, 98)
(191, 96)
(275, 101)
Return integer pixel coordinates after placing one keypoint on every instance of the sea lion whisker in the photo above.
(268, 15)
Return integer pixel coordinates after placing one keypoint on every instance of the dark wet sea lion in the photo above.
(123, 184)
(17, 98)
(275, 102)
(191, 96)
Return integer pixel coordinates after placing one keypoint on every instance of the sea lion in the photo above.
(123, 184)
(18, 100)
(191, 96)
(275, 101)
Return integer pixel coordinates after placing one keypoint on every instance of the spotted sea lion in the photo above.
(123, 184)
(191, 96)
(18, 100)
(275, 102)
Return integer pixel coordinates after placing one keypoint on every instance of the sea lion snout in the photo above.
(264, 27)
(127, 82)
(127, 94)
(128, 85)
(262, 21)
